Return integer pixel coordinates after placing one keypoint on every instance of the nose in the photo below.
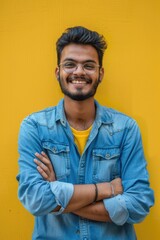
(79, 69)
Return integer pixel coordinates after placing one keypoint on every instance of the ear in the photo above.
(57, 73)
(101, 74)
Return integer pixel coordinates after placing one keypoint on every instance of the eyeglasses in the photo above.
(88, 67)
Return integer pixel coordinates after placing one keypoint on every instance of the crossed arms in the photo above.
(41, 193)
(83, 196)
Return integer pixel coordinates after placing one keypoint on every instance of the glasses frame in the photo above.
(82, 66)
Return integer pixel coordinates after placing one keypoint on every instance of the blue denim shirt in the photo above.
(114, 149)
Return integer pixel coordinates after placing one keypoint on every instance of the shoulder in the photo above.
(119, 119)
(42, 117)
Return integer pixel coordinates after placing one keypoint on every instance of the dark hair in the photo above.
(81, 35)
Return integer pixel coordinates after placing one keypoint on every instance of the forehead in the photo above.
(79, 52)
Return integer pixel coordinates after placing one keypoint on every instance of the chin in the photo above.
(79, 97)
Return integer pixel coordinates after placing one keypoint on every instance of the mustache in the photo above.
(82, 78)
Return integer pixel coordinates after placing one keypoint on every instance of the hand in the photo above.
(44, 167)
(117, 187)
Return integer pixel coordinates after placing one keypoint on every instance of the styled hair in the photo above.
(81, 35)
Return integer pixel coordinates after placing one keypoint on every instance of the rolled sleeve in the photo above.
(137, 198)
(117, 209)
(38, 196)
(63, 193)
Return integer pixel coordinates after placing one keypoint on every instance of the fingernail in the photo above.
(36, 154)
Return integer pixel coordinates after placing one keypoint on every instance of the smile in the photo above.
(79, 80)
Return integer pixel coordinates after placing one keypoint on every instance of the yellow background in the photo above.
(28, 32)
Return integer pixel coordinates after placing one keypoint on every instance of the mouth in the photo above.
(79, 80)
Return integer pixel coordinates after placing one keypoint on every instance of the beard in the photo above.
(79, 96)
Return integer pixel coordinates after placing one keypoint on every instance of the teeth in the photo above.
(75, 81)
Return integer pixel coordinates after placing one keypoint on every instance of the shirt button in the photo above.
(85, 238)
(54, 150)
(108, 155)
(82, 164)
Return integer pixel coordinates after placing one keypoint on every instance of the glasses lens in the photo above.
(70, 67)
(89, 68)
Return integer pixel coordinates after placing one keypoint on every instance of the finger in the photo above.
(42, 166)
(44, 171)
(45, 155)
(40, 156)
(44, 159)
(47, 161)
(43, 174)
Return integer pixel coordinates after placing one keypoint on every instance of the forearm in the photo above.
(75, 197)
(96, 212)
(84, 195)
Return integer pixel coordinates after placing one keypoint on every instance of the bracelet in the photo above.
(112, 189)
(96, 193)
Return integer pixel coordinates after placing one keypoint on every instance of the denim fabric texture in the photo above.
(113, 149)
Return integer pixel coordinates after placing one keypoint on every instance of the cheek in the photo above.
(63, 76)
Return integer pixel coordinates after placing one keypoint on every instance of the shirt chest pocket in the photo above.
(106, 164)
(59, 156)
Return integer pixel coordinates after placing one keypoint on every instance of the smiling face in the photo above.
(80, 84)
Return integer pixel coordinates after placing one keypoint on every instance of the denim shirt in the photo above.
(113, 149)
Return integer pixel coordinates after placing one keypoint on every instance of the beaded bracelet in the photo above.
(112, 189)
(96, 193)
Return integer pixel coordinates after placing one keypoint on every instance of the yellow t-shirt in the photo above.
(80, 138)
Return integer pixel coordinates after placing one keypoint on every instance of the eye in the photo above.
(89, 66)
(69, 65)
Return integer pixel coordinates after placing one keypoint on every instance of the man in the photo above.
(92, 182)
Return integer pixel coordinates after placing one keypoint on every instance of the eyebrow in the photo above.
(73, 60)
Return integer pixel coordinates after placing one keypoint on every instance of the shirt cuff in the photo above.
(63, 193)
(117, 209)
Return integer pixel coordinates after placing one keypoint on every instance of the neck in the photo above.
(80, 114)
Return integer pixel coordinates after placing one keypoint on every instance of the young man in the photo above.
(92, 181)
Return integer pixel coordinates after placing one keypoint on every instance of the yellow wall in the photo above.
(28, 31)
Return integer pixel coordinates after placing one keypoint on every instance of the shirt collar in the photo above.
(103, 116)
(60, 115)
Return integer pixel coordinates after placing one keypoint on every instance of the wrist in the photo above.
(104, 191)
(108, 190)
(112, 190)
(96, 193)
